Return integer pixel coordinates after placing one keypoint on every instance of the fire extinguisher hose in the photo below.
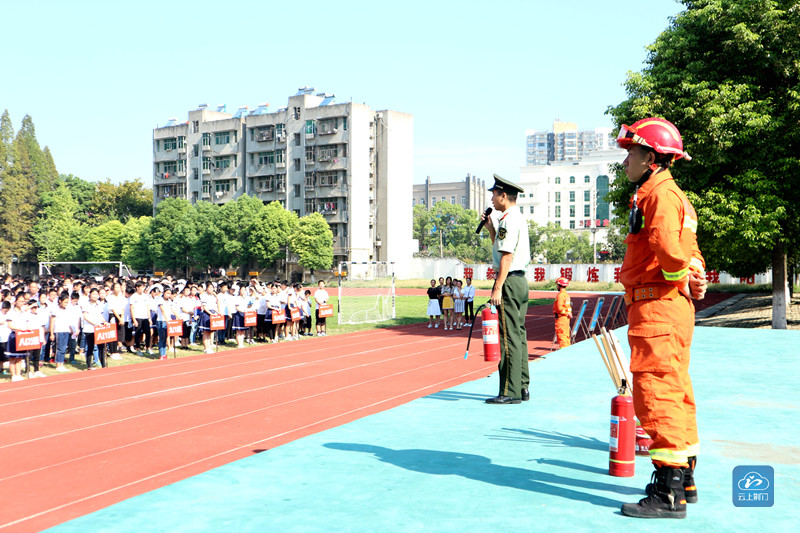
(472, 326)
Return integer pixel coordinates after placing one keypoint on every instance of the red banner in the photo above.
(250, 318)
(174, 328)
(325, 311)
(105, 333)
(295, 312)
(278, 317)
(217, 322)
(28, 340)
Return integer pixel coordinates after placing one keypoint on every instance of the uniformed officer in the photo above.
(510, 254)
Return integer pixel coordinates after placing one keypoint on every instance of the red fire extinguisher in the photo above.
(621, 444)
(491, 333)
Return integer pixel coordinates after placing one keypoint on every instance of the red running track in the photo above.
(77, 443)
(80, 442)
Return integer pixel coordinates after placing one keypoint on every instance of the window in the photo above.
(222, 186)
(433, 201)
(280, 130)
(328, 179)
(558, 181)
(207, 163)
(587, 211)
(222, 162)
(587, 196)
(181, 165)
(327, 206)
(297, 141)
(266, 158)
(572, 211)
(422, 201)
(206, 187)
(327, 126)
(558, 211)
(280, 156)
(181, 141)
(587, 179)
(453, 200)
(296, 113)
(296, 163)
(344, 123)
(521, 209)
(309, 154)
(571, 196)
(170, 144)
(196, 128)
(311, 205)
(280, 182)
(222, 137)
(169, 166)
(531, 210)
(558, 197)
(328, 152)
(444, 199)
(265, 184)
(463, 201)
(311, 180)
(571, 224)
(311, 127)
(572, 179)
(158, 145)
(196, 150)
(206, 139)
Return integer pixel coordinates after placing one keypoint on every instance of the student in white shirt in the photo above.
(208, 306)
(140, 313)
(93, 316)
(469, 295)
(321, 298)
(60, 330)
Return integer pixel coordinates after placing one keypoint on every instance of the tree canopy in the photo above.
(726, 73)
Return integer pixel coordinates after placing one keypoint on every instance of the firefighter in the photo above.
(562, 309)
(662, 272)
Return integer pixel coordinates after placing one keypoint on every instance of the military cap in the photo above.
(505, 186)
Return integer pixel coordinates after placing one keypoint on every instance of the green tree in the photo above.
(726, 73)
(559, 245)
(83, 192)
(57, 234)
(269, 236)
(43, 171)
(449, 230)
(136, 243)
(6, 142)
(18, 204)
(312, 242)
(235, 222)
(129, 199)
(104, 243)
(173, 234)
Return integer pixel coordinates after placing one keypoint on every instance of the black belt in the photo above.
(517, 273)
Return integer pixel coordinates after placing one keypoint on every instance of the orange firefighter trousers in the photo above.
(562, 331)
(660, 334)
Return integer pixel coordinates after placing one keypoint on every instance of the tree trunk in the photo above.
(779, 288)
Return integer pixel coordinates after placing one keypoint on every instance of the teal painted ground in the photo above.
(448, 462)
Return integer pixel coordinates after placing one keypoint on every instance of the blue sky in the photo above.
(97, 77)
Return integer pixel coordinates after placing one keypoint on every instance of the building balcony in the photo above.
(224, 173)
(206, 147)
(226, 149)
(265, 136)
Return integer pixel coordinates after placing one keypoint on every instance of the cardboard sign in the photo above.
(295, 312)
(231, 273)
(250, 318)
(28, 340)
(278, 317)
(253, 273)
(217, 322)
(325, 311)
(105, 333)
(174, 328)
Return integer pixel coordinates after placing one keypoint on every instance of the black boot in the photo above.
(688, 481)
(689, 488)
(666, 500)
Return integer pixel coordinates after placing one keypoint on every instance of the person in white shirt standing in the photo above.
(140, 313)
(60, 330)
(92, 317)
(116, 308)
(469, 297)
(321, 297)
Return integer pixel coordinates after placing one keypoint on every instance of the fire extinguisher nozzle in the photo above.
(466, 354)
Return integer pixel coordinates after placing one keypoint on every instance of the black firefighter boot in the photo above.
(689, 488)
(666, 500)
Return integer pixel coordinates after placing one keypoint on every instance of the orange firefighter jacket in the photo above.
(563, 305)
(666, 248)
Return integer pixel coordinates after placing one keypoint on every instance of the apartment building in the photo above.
(565, 143)
(346, 161)
(470, 193)
(570, 194)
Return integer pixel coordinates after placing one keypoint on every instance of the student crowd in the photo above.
(64, 313)
(451, 299)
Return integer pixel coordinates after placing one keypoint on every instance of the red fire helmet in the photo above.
(564, 282)
(657, 133)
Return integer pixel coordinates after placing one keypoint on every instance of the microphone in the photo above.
(486, 214)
